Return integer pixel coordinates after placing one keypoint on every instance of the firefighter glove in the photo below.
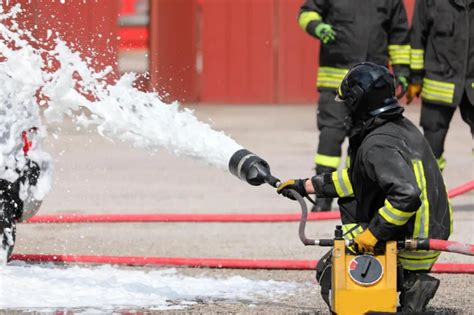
(366, 241)
(413, 90)
(325, 33)
(402, 82)
(292, 184)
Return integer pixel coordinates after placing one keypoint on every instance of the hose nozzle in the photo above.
(251, 168)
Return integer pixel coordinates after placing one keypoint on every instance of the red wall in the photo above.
(238, 51)
(91, 26)
(298, 55)
(173, 52)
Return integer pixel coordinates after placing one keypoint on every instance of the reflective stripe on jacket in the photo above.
(366, 30)
(442, 50)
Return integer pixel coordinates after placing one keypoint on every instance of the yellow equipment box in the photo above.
(363, 283)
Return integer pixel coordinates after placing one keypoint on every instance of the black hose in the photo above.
(272, 181)
(304, 216)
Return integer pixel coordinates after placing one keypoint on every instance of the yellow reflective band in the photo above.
(418, 254)
(417, 264)
(347, 230)
(350, 232)
(437, 91)
(307, 17)
(399, 54)
(450, 216)
(427, 94)
(422, 214)
(327, 160)
(393, 215)
(331, 70)
(399, 49)
(439, 84)
(441, 163)
(399, 61)
(417, 57)
(342, 183)
(328, 83)
(330, 77)
(441, 93)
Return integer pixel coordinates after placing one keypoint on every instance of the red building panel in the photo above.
(298, 55)
(88, 26)
(238, 51)
(215, 51)
(173, 49)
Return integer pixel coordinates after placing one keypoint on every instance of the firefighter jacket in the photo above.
(397, 185)
(442, 50)
(366, 30)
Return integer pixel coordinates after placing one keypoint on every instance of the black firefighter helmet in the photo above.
(367, 90)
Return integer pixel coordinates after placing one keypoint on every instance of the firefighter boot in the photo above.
(418, 289)
(323, 204)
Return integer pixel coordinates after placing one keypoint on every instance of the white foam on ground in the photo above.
(108, 288)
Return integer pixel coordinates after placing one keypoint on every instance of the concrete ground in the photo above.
(94, 175)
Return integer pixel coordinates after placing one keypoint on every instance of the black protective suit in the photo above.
(442, 61)
(393, 186)
(366, 30)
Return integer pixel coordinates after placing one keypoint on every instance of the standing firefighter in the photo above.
(442, 64)
(393, 189)
(351, 31)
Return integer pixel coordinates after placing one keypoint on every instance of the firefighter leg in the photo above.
(417, 287)
(330, 121)
(10, 211)
(417, 290)
(435, 120)
(323, 276)
(467, 112)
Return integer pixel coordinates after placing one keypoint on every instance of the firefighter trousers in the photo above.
(435, 120)
(330, 121)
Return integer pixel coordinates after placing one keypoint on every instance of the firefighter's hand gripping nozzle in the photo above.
(251, 168)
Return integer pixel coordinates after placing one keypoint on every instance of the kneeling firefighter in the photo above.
(393, 189)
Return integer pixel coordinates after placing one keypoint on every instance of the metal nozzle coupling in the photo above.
(251, 168)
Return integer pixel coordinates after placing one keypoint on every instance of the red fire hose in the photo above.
(438, 245)
(452, 247)
(464, 188)
(219, 263)
(181, 217)
(241, 263)
(194, 217)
